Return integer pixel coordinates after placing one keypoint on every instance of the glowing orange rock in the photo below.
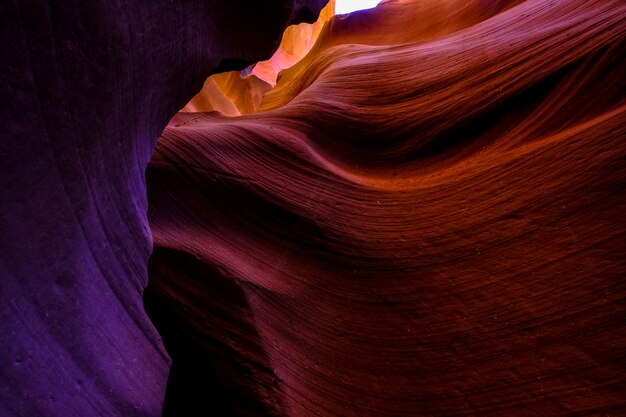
(233, 94)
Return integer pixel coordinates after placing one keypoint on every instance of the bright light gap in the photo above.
(347, 6)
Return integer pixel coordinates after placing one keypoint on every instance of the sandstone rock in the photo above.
(421, 226)
(87, 87)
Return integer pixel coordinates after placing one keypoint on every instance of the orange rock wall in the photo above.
(234, 94)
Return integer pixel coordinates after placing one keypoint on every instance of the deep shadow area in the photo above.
(193, 388)
(218, 365)
(201, 397)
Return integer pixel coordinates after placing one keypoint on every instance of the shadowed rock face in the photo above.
(87, 87)
(424, 222)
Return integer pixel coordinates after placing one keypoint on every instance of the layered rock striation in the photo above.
(425, 220)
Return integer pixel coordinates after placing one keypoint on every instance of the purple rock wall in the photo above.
(86, 88)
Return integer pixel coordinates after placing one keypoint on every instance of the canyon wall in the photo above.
(241, 92)
(425, 220)
(87, 87)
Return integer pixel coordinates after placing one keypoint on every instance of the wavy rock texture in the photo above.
(87, 87)
(235, 93)
(391, 23)
(230, 94)
(427, 222)
(296, 43)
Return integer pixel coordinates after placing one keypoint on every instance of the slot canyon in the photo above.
(289, 208)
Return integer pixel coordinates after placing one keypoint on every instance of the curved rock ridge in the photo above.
(234, 93)
(425, 222)
(296, 43)
(229, 93)
(392, 22)
(87, 87)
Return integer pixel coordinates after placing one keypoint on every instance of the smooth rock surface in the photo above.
(241, 92)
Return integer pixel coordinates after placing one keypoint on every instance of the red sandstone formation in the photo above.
(391, 23)
(428, 221)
